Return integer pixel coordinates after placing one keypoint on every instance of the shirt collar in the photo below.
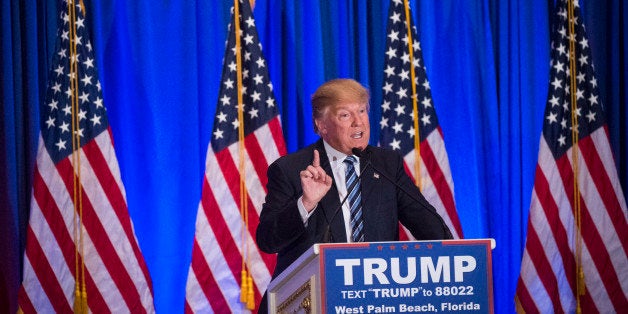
(335, 156)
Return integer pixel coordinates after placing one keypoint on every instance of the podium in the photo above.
(387, 277)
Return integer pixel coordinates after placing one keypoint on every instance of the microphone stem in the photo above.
(361, 153)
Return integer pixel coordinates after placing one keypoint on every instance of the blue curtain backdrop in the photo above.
(160, 64)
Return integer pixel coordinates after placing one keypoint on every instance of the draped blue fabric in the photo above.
(23, 44)
(160, 64)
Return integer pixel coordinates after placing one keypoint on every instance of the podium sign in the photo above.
(397, 277)
(388, 277)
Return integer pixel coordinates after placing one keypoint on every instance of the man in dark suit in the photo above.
(305, 188)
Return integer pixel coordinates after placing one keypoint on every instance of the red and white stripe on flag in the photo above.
(214, 277)
(117, 278)
(437, 184)
(548, 281)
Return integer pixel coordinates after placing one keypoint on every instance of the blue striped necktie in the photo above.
(355, 200)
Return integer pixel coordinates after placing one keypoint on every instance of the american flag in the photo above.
(398, 123)
(224, 240)
(80, 233)
(556, 247)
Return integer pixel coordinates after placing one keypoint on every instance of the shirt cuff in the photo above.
(305, 215)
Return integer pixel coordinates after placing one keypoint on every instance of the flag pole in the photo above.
(580, 285)
(80, 292)
(415, 109)
(246, 289)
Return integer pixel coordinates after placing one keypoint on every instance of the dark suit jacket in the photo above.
(281, 229)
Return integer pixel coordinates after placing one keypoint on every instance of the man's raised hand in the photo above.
(315, 183)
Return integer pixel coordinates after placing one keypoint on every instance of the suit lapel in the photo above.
(370, 183)
(371, 191)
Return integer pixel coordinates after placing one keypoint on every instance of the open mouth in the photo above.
(357, 135)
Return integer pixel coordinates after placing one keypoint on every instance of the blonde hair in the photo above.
(337, 91)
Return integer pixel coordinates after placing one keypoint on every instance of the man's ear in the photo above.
(322, 128)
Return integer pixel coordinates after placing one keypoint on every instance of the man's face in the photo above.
(345, 126)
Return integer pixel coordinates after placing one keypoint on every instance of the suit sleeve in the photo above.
(280, 222)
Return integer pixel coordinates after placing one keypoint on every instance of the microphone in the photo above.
(327, 238)
(367, 154)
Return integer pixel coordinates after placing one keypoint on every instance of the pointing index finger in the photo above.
(317, 161)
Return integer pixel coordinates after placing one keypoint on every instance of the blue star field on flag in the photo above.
(56, 115)
(397, 123)
(557, 124)
(259, 101)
